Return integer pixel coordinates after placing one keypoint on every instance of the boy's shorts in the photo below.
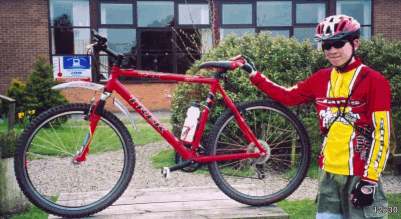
(333, 199)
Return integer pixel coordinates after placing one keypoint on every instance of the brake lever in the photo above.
(89, 48)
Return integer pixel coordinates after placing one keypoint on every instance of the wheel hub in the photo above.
(263, 158)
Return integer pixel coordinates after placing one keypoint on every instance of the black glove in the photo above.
(363, 193)
(248, 66)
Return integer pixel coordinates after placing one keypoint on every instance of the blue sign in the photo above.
(76, 62)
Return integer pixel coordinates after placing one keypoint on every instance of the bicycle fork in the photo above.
(93, 117)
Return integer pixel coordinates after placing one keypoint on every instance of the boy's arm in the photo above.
(300, 93)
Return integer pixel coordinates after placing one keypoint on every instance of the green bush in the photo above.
(17, 91)
(385, 56)
(285, 61)
(8, 143)
(36, 95)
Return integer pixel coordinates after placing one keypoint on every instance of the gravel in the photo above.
(54, 175)
(146, 176)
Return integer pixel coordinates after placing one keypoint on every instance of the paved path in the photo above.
(184, 202)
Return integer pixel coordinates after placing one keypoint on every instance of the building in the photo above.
(167, 35)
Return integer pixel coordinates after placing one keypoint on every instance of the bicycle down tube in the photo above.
(113, 84)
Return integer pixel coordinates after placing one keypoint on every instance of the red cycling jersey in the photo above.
(354, 114)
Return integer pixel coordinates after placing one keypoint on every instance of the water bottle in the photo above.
(190, 123)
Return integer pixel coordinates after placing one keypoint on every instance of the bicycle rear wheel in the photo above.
(268, 179)
(49, 177)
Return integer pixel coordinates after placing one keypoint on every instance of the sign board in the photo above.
(72, 68)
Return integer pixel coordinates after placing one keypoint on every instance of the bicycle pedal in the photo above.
(165, 172)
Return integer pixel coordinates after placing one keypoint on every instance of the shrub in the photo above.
(17, 91)
(40, 95)
(36, 95)
(385, 56)
(285, 61)
(8, 143)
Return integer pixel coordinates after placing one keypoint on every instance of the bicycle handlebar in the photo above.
(100, 45)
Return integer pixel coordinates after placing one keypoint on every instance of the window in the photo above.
(120, 40)
(157, 61)
(116, 13)
(193, 14)
(304, 33)
(190, 44)
(69, 26)
(360, 10)
(285, 33)
(237, 19)
(274, 13)
(310, 13)
(155, 13)
(307, 16)
(69, 12)
(235, 31)
(237, 13)
(152, 40)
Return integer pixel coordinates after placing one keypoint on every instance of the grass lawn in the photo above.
(305, 209)
(32, 213)
(66, 138)
(3, 126)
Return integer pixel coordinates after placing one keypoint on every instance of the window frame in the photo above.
(51, 28)
(239, 26)
(261, 28)
(95, 20)
(362, 25)
(137, 14)
(99, 15)
(307, 25)
(177, 13)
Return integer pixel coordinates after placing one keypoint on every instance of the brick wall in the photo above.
(387, 18)
(24, 37)
(155, 96)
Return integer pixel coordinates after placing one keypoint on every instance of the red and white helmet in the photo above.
(337, 27)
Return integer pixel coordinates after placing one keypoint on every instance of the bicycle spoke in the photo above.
(50, 123)
(55, 146)
(226, 143)
(46, 147)
(232, 140)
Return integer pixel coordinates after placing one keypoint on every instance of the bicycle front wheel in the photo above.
(51, 178)
(267, 179)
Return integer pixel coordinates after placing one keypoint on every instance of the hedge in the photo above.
(285, 61)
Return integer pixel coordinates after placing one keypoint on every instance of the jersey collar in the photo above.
(354, 65)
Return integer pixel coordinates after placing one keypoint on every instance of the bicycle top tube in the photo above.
(113, 84)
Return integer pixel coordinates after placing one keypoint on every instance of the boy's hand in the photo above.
(248, 65)
(362, 194)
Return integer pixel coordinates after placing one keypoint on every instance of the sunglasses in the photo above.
(336, 44)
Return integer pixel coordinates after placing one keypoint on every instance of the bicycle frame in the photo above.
(113, 84)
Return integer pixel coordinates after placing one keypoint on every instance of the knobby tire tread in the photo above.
(302, 170)
(19, 157)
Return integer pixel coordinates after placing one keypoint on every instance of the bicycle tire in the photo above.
(24, 160)
(229, 176)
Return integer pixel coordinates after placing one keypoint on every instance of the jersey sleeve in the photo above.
(300, 93)
(379, 104)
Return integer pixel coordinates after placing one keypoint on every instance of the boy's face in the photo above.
(338, 52)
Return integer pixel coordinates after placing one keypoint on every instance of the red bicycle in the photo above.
(257, 152)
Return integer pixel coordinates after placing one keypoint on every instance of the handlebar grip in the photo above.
(99, 38)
